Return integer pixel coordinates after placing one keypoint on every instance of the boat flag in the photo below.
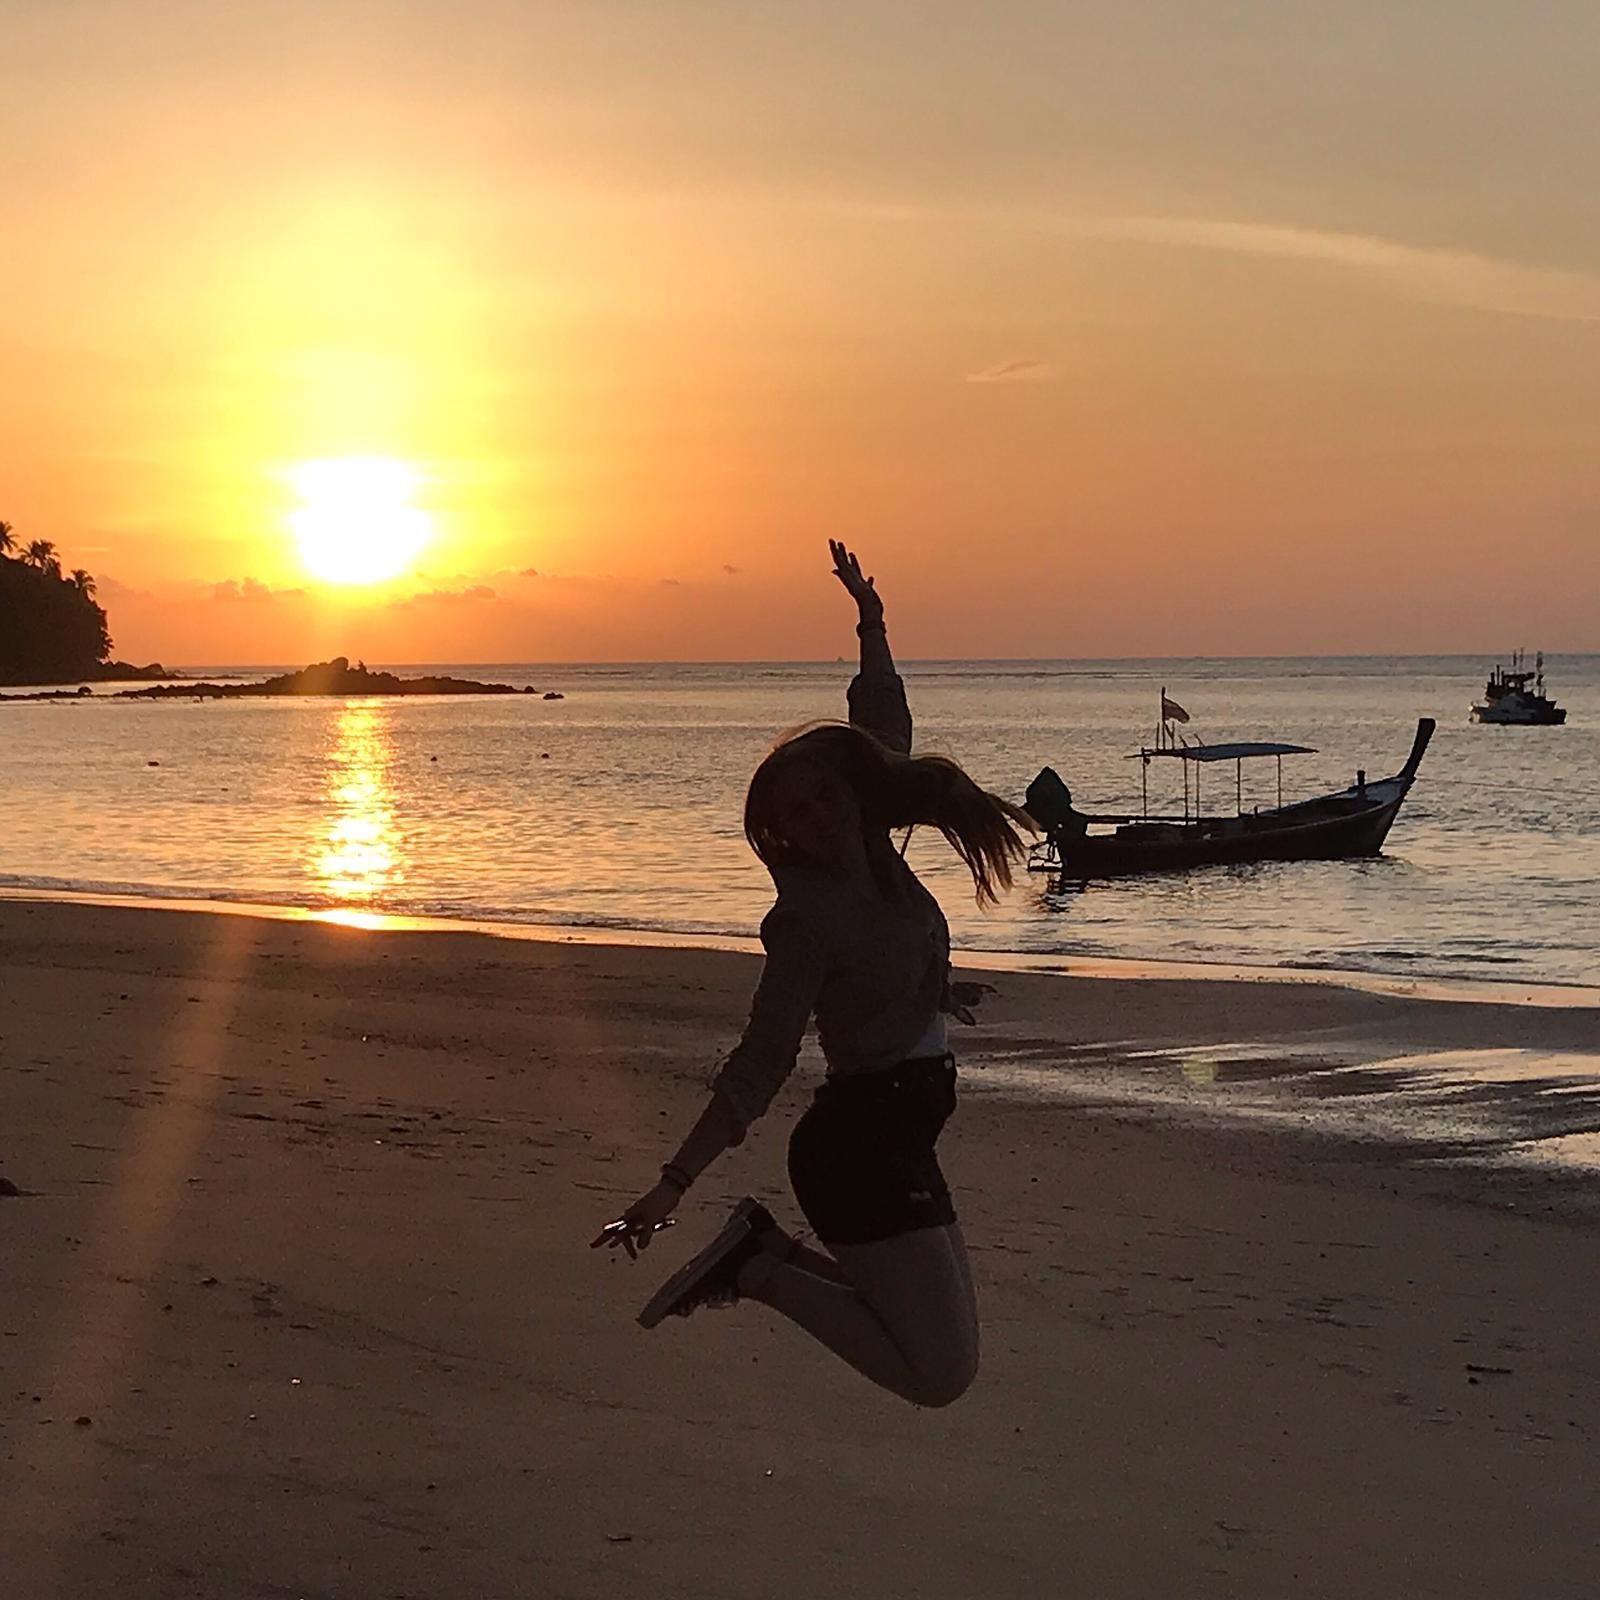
(1171, 711)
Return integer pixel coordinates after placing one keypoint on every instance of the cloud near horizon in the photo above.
(251, 589)
(475, 594)
(502, 615)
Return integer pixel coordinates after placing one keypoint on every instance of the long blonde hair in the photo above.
(893, 791)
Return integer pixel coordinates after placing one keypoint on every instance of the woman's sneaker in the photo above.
(712, 1278)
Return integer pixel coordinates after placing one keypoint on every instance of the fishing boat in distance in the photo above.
(1508, 701)
(1352, 822)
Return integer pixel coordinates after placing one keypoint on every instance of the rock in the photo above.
(126, 671)
(335, 677)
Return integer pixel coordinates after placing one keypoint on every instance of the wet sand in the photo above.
(298, 1299)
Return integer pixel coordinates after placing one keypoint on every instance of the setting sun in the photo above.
(356, 522)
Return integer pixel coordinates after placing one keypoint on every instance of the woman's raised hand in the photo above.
(847, 569)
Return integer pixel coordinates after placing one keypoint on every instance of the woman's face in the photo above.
(816, 809)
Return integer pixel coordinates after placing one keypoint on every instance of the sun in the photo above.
(356, 522)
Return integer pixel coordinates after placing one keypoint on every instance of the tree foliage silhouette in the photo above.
(51, 630)
(41, 554)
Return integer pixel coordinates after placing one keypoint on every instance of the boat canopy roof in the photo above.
(1229, 752)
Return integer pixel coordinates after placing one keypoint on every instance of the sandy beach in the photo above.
(297, 1299)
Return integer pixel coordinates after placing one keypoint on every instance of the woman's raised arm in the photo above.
(877, 696)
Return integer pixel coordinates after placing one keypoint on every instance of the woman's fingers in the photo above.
(847, 569)
(847, 566)
(625, 1233)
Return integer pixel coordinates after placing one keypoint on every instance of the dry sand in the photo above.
(298, 1301)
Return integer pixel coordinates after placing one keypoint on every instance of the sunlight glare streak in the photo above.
(358, 855)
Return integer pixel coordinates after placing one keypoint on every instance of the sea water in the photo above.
(619, 805)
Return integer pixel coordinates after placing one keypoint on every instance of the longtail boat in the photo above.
(1351, 822)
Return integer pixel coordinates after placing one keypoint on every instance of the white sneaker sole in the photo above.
(735, 1231)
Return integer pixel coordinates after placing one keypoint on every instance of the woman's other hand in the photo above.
(639, 1224)
(963, 997)
(847, 569)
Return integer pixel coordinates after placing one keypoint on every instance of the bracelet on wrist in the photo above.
(677, 1177)
(864, 627)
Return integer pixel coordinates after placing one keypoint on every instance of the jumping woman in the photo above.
(857, 941)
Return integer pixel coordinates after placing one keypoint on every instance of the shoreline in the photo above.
(1491, 1096)
(1444, 990)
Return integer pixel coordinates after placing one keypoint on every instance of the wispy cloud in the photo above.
(1464, 278)
(1015, 372)
(1448, 277)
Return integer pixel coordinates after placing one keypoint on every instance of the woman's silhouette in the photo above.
(856, 940)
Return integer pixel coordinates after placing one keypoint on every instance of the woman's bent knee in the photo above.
(943, 1385)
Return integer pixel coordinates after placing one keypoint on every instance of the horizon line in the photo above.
(905, 660)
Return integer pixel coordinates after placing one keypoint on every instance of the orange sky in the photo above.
(1205, 330)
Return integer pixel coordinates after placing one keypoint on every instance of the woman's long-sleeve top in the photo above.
(871, 966)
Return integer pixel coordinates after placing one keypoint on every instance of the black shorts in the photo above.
(861, 1158)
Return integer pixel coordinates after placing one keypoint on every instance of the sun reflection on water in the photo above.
(359, 857)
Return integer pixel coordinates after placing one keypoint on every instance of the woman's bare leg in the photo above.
(933, 1318)
(792, 1253)
(905, 1316)
(958, 1243)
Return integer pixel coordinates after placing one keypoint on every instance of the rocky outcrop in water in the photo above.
(336, 677)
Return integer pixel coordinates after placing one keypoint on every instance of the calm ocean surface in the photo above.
(619, 806)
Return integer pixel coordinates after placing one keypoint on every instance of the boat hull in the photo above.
(1504, 716)
(1178, 847)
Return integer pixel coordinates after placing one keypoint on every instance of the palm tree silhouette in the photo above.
(83, 581)
(42, 554)
(7, 542)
